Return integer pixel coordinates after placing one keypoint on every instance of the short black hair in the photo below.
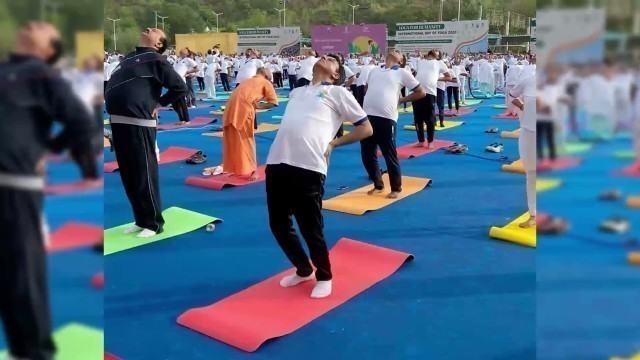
(432, 53)
(164, 46)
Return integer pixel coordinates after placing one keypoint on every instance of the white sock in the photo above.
(321, 290)
(132, 229)
(293, 280)
(146, 233)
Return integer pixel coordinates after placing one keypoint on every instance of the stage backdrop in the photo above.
(447, 36)
(203, 42)
(282, 41)
(367, 39)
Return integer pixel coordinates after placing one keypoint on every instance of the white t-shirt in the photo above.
(513, 74)
(310, 122)
(182, 66)
(364, 74)
(109, 70)
(384, 91)
(306, 68)
(211, 70)
(428, 73)
(526, 89)
(347, 73)
(224, 66)
(201, 68)
(293, 67)
(456, 70)
(248, 69)
(527, 71)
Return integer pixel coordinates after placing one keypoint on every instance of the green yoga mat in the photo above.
(178, 221)
(471, 102)
(77, 342)
(576, 148)
(626, 155)
(500, 107)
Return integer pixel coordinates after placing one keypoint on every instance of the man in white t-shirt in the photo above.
(294, 65)
(305, 72)
(210, 79)
(184, 66)
(249, 66)
(513, 75)
(429, 72)
(297, 167)
(524, 95)
(361, 82)
(381, 105)
(225, 64)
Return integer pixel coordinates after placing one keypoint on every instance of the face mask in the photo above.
(58, 49)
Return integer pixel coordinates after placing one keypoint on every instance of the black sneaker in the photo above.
(492, 131)
(197, 158)
(610, 195)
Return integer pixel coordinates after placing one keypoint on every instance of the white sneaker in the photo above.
(495, 148)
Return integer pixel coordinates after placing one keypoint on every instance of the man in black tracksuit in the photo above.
(132, 95)
(32, 96)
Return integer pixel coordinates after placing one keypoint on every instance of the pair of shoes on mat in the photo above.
(143, 233)
(552, 226)
(615, 225)
(322, 289)
(492, 131)
(197, 158)
(610, 195)
(494, 148)
(457, 149)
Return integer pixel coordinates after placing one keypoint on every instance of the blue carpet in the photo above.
(463, 291)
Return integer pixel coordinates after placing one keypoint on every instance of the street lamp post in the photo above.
(156, 17)
(217, 18)
(279, 15)
(353, 13)
(441, 8)
(163, 17)
(284, 12)
(115, 39)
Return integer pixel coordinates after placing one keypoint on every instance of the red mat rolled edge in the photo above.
(558, 164)
(77, 186)
(219, 182)
(631, 170)
(97, 281)
(463, 111)
(265, 311)
(172, 154)
(412, 150)
(75, 235)
(108, 356)
(198, 121)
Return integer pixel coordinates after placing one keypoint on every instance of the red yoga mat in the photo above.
(412, 150)
(198, 121)
(558, 164)
(463, 111)
(97, 281)
(632, 170)
(266, 311)
(74, 235)
(73, 187)
(108, 356)
(221, 181)
(172, 154)
(505, 116)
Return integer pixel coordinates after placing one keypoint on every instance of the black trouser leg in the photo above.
(369, 155)
(224, 78)
(360, 90)
(285, 74)
(136, 156)
(384, 135)
(185, 109)
(24, 301)
(293, 79)
(440, 101)
(191, 97)
(340, 132)
(84, 155)
(293, 191)
(423, 113)
(201, 83)
(449, 96)
(540, 129)
(456, 97)
(403, 92)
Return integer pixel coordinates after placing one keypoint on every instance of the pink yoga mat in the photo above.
(412, 150)
(74, 235)
(172, 154)
(266, 311)
(108, 356)
(559, 164)
(632, 170)
(198, 121)
(75, 187)
(221, 181)
(463, 111)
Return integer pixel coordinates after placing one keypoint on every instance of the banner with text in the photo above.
(447, 36)
(279, 40)
(367, 39)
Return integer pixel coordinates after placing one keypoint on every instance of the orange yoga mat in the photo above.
(266, 311)
(633, 202)
(634, 258)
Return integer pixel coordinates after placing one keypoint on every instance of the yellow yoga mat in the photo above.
(514, 233)
(634, 202)
(357, 202)
(447, 125)
(514, 167)
(543, 185)
(221, 112)
(264, 127)
(634, 258)
(510, 134)
(407, 111)
(633, 357)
